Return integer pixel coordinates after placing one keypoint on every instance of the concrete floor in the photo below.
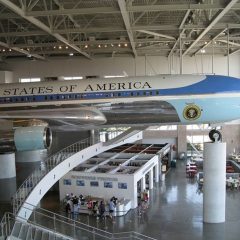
(174, 213)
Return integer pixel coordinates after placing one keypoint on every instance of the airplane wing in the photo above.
(64, 118)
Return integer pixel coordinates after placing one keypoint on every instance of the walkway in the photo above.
(175, 213)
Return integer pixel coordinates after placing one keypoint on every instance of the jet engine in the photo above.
(27, 138)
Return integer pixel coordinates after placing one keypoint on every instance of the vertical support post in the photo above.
(228, 66)
(214, 191)
(212, 57)
(151, 179)
(156, 169)
(180, 55)
(143, 183)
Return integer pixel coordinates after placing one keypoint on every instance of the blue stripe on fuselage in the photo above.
(212, 84)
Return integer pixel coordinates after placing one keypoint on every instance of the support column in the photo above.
(156, 168)
(31, 156)
(143, 183)
(8, 168)
(214, 191)
(92, 136)
(150, 179)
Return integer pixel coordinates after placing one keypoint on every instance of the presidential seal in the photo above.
(191, 112)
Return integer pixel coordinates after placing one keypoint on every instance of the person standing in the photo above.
(101, 209)
(111, 209)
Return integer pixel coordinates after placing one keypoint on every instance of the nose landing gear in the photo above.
(215, 135)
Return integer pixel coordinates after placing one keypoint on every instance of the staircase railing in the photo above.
(73, 228)
(7, 223)
(52, 161)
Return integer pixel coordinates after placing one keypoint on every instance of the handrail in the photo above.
(40, 213)
(9, 219)
(52, 161)
(6, 226)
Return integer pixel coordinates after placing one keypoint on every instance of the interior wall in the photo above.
(140, 66)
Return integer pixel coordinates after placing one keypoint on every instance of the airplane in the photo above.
(160, 99)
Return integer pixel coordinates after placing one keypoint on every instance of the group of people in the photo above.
(97, 208)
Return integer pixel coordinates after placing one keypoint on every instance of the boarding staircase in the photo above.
(56, 166)
(41, 180)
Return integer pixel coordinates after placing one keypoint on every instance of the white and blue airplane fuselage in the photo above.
(164, 99)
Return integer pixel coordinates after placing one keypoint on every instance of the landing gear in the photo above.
(215, 135)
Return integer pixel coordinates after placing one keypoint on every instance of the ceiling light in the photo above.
(205, 42)
(125, 44)
(9, 49)
(60, 47)
(70, 54)
(105, 45)
(86, 46)
(66, 47)
(99, 45)
(54, 47)
(119, 45)
(112, 45)
(203, 51)
(3, 50)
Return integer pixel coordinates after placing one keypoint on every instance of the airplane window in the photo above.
(57, 97)
(119, 94)
(22, 99)
(45, 97)
(51, 97)
(150, 93)
(34, 99)
(157, 92)
(144, 93)
(132, 94)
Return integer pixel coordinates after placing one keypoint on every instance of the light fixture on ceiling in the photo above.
(125, 44)
(86, 46)
(54, 47)
(9, 49)
(71, 54)
(105, 45)
(66, 47)
(60, 47)
(99, 45)
(205, 42)
(119, 45)
(203, 51)
(3, 50)
(112, 45)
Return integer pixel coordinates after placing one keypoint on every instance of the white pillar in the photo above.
(31, 156)
(143, 183)
(156, 168)
(8, 168)
(214, 190)
(150, 179)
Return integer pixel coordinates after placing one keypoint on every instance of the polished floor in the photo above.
(174, 213)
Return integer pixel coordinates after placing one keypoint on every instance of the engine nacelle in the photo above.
(32, 138)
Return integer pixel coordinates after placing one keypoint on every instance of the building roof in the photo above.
(41, 29)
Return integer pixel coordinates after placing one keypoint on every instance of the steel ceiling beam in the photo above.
(75, 11)
(210, 26)
(17, 49)
(139, 8)
(209, 42)
(125, 16)
(178, 7)
(182, 31)
(156, 34)
(40, 25)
